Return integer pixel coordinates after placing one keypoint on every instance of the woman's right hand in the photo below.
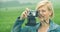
(24, 14)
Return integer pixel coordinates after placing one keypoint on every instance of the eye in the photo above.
(43, 10)
(38, 10)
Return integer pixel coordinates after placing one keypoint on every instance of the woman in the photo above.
(45, 13)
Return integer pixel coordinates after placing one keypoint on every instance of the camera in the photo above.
(31, 20)
(33, 13)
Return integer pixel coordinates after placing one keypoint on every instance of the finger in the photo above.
(21, 16)
(27, 9)
(24, 15)
(26, 12)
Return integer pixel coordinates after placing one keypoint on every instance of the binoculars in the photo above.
(31, 19)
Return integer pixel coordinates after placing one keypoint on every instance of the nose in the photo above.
(40, 12)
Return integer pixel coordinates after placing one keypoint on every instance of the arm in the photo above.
(17, 25)
(19, 21)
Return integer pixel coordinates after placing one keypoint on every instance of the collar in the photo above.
(53, 26)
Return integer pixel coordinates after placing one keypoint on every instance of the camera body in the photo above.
(33, 13)
(31, 18)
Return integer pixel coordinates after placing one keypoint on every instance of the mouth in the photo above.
(41, 16)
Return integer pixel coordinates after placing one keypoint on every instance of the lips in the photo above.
(41, 16)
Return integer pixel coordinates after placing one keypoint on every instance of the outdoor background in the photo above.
(11, 9)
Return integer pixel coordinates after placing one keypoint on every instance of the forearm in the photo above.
(17, 25)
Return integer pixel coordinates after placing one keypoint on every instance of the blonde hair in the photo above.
(48, 4)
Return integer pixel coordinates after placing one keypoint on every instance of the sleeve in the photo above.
(17, 25)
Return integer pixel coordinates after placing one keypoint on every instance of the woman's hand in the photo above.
(24, 14)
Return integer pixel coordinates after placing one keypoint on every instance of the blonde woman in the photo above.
(45, 13)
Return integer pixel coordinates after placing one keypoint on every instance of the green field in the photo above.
(9, 15)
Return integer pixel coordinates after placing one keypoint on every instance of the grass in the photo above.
(9, 15)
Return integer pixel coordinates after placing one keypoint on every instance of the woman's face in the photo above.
(44, 13)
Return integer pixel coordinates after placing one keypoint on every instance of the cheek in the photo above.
(46, 14)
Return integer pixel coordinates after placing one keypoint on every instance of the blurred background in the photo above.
(11, 9)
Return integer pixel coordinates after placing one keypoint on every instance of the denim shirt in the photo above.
(18, 27)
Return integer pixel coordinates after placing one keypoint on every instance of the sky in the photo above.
(21, 1)
(15, 0)
(5, 0)
(18, 0)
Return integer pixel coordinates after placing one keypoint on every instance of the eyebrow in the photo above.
(49, 8)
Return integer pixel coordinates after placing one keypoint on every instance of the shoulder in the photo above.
(58, 28)
(54, 27)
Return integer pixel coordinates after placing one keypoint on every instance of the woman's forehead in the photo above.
(43, 8)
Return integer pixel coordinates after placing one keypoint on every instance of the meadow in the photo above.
(9, 15)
